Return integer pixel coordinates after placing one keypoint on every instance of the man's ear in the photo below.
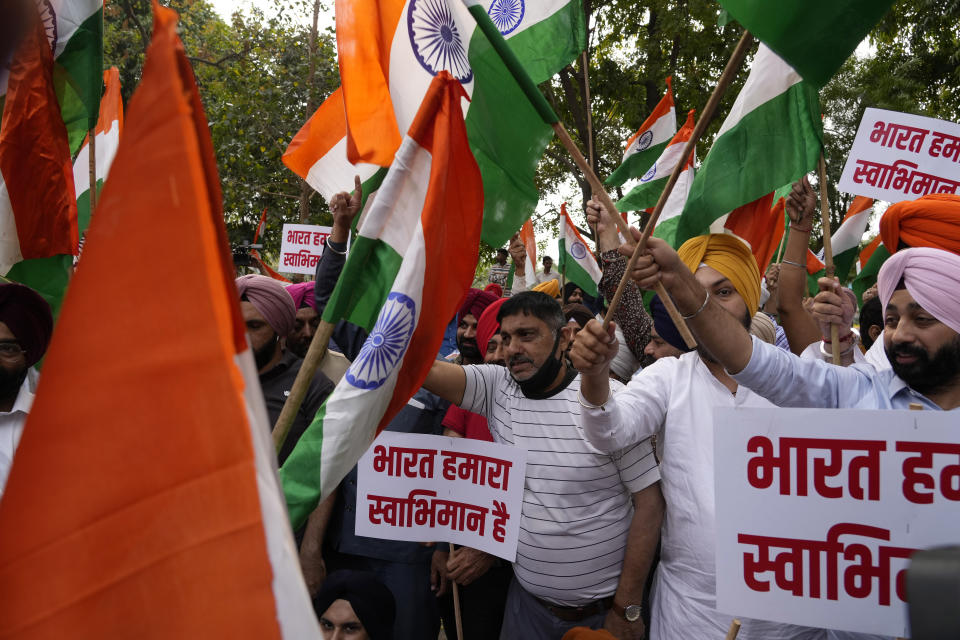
(566, 338)
(874, 331)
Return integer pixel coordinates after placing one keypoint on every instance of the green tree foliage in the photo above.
(252, 74)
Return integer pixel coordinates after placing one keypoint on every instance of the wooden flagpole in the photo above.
(585, 64)
(92, 148)
(733, 65)
(315, 353)
(828, 251)
(734, 630)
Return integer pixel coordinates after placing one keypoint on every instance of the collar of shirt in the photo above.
(901, 395)
(24, 399)
(288, 359)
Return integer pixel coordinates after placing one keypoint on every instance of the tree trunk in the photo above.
(305, 190)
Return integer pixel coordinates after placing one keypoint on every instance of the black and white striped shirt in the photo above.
(577, 506)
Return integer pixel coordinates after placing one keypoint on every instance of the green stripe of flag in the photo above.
(868, 274)
(574, 273)
(364, 283)
(302, 497)
(78, 79)
(635, 166)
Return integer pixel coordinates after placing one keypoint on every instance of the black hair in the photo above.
(503, 251)
(536, 304)
(871, 314)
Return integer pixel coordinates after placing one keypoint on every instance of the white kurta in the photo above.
(677, 397)
(11, 425)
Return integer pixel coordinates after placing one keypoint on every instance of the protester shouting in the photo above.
(589, 522)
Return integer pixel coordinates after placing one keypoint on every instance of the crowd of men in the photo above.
(617, 525)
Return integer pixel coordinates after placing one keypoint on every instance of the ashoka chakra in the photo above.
(386, 344)
(506, 14)
(648, 176)
(578, 251)
(435, 38)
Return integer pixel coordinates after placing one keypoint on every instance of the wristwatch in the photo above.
(630, 613)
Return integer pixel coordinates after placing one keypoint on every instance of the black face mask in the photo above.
(536, 386)
(10, 382)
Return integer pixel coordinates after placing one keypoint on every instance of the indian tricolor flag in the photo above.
(384, 79)
(577, 263)
(412, 262)
(650, 140)
(845, 241)
(772, 136)
(814, 37)
(167, 518)
(529, 241)
(38, 208)
(647, 193)
(109, 127)
(871, 259)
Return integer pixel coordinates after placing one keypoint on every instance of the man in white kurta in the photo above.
(677, 398)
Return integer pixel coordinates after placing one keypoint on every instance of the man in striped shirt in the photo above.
(590, 520)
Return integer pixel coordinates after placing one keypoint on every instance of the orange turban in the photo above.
(731, 257)
(932, 221)
(550, 287)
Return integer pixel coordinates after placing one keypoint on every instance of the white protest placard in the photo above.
(437, 489)
(301, 247)
(899, 156)
(818, 511)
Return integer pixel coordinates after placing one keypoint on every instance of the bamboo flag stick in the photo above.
(592, 161)
(92, 148)
(318, 349)
(734, 630)
(546, 113)
(828, 251)
(733, 65)
(456, 603)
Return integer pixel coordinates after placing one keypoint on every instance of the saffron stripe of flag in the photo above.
(845, 241)
(530, 244)
(577, 263)
(174, 528)
(761, 224)
(412, 262)
(646, 145)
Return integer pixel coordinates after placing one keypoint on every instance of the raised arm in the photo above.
(800, 327)
(447, 380)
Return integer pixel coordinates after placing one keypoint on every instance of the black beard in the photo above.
(10, 383)
(469, 350)
(264, 354)
(927, 375)
(298, 348)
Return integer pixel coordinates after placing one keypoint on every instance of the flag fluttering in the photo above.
(530, 244)
(169, 522)
(577, 263)
(761, 224)
(772, 136)
(646, 194)
(108, 130)
(845, 241)
(650, 140)
(815, 37)
(412, 262)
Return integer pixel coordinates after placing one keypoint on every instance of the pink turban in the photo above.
(474, 304)
(932, 277)
(272, 301)
(302, 294)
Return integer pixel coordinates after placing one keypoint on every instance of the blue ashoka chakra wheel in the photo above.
(578, 251)
(507, 14)
(386, 344)
(643, 142)
(435, 38)
(49, 18)
(648, 176)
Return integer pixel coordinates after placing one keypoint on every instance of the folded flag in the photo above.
(772, 136)
(412, 262)
(647, 193)
(845, 241)
(169, 522)
(530, 244)
(646, 145)
(815, 37)
(577, 263)
(871, 259)
(38, 209)
(108, 130)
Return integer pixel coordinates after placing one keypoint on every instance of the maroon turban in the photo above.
(474, 304)
(272, 301)
(495, 289)
(302, 294)
(28, 317)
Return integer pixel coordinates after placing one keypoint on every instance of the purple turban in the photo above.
(932, 276)
(302, 294)
(474, 304)
(28, 317)
(272, 301)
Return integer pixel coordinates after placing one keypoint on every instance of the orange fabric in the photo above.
(451, 219)
(868, 250)
(325, 128)
(35, 155)
(931, 221)
(365, 32)
(859, 204)
(761, 225)
(530, 240)
(584, 633)
(132, 507)
(814, 264)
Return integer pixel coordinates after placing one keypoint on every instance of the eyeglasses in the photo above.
(10, 351)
